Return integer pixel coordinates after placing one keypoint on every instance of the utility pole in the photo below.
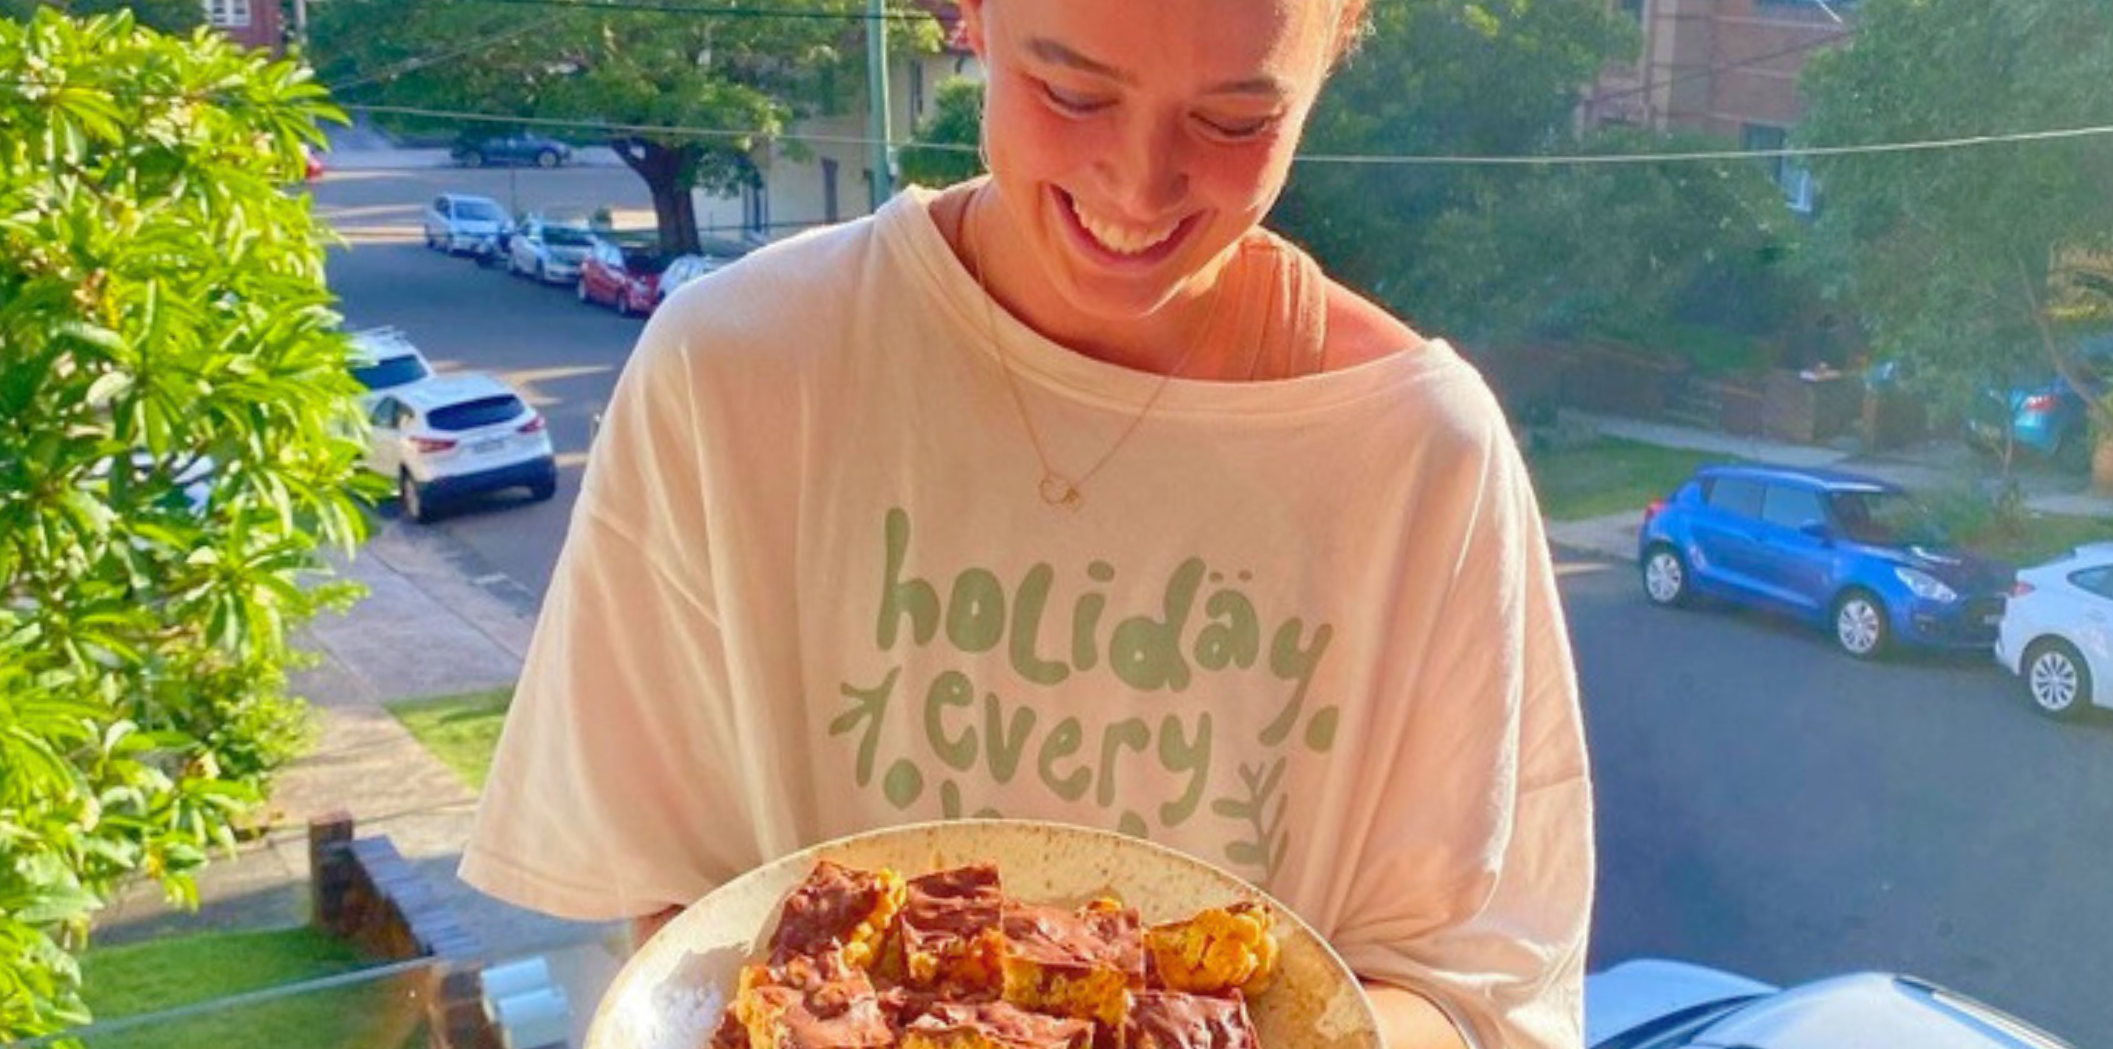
(877, 98)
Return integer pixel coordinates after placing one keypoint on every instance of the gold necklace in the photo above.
(1055, 488)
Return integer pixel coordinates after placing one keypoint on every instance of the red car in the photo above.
(626, 279)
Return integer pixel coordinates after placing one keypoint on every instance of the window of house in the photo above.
(228, 14)
(1789, 173)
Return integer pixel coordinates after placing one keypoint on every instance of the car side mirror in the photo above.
(1817, 531)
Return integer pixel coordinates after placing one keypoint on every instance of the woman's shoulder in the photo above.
(1360, 331)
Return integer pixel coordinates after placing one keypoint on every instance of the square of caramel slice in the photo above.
(950, 933)
(1173, 1020)
(994, 1025)
(800, 1006)
(1080, 964)
(1218, 951)
(838, 910)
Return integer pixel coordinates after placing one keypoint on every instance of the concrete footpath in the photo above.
(436, 623)
(1928, 467)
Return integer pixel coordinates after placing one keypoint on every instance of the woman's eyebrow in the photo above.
(1056, 53)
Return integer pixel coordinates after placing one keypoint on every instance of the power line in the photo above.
(1722, 67)
(416, 63)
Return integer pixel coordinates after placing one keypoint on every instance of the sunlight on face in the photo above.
(1133, 143)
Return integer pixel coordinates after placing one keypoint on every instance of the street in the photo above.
(1764, 803)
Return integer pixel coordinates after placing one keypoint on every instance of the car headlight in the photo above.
(1926, 586)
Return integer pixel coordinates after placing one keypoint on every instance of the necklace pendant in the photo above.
(1058, 491)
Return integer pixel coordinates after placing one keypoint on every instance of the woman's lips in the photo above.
(1091, 246)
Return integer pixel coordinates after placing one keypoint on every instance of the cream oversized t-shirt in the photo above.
(1306, 629)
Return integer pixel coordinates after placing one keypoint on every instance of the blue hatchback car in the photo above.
(1844, 552)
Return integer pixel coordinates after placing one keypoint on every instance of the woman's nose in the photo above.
(1147, 174)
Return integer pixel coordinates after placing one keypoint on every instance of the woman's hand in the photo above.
(642, 929)
(1408, 1020)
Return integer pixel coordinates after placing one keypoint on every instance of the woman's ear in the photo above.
(972, 27)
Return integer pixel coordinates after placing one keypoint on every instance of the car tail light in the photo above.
(2020, 588)
(431, 444)
(2039, 402)
(534, 425)
(1652, 511)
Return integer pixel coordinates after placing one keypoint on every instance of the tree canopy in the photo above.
(738, 78)
(178, 434)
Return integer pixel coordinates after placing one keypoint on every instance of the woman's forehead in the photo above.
(1215, 42)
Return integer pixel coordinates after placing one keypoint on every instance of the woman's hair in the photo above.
(1351, 26)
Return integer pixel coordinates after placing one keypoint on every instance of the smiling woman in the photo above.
(1075, 494)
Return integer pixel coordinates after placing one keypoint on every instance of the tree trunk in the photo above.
(666, 170)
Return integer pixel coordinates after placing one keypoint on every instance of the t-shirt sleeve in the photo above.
(1476, 890)
(591, 809)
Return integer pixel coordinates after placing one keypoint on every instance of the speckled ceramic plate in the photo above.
(670, 994)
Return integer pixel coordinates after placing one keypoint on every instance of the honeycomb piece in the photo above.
(803, 1006)
(1172, 1020)
(994, 1025)
(950, 932)
(1219, 950)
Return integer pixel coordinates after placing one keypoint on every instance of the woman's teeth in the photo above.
(1119, 240)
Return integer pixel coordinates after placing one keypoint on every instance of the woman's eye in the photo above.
(1237, 128)
(1073, 102)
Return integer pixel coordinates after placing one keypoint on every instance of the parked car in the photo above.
(683, 270)
(2057, 632)
(2045, 414)
(312, 164)
(460, 223)
(384, 359)
(523, 148)
(550, 250)
(1841, 551)
(1655, 1004)
(456, 435)
(624, 278)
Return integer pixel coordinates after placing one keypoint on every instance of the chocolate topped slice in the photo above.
(838, 910)
(1172, 1020)
(810, 1013)
(949, 933)
(993, 1025)
(1073, 963)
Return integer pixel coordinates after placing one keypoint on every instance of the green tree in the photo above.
(1952, 256)
(168, 16)
(954, 128)
(162, 314)
(745, 78)
(1438, 77)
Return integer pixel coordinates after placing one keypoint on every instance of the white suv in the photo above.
(384, 359)
(462, 224)
(455, 435)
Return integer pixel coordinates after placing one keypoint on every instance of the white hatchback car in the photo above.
(2057, 632)
(463, 224)
(549, 249)
(456, 435)
(384, 359)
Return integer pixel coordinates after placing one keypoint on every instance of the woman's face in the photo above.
(1133, 142)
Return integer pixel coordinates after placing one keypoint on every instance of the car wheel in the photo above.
(547, 159)
(542, 273)
(412, 496)
(623, 303)
(431, 244)
(1860, 624)
(2057, 679)
(2073, 453)
(1665, 577)
(473, 159)
(580, 287)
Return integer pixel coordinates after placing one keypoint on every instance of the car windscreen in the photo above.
(567, 238)
(1887, 519)
(478, 211)
(395, 371)
(469, 415)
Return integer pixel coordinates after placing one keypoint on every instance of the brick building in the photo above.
(256, 23)
(1726, 68)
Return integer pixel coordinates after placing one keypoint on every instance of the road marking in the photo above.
(489, 580)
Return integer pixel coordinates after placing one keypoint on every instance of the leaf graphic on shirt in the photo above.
(1263, 810)
(871, 706)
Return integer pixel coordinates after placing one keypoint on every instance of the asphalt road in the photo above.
(1765, 804)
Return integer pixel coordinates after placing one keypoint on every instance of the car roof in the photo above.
(382, 344)
(458, 388)
(1818, 477)
(1872, 1009)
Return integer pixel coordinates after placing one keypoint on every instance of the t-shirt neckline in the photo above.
(906, 227)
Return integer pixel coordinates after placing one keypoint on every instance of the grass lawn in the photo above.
(163, 974)
(2042, 537)
(461, 730)
(1609, 475)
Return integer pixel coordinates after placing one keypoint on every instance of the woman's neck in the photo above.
(1168, 341)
